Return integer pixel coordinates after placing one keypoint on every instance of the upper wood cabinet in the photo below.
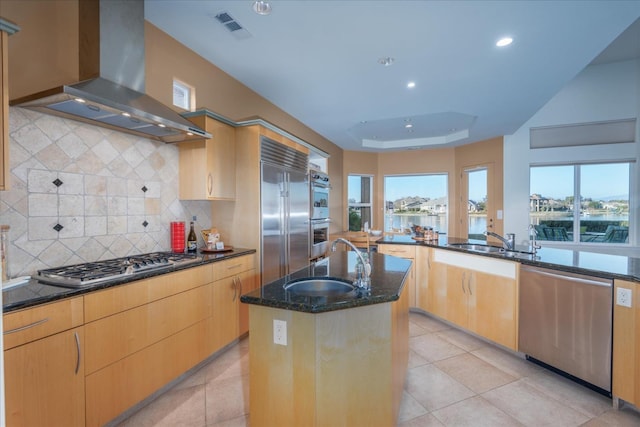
(208, 166)
(6, 28)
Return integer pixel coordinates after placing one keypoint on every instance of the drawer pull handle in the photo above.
(234, 266)
(30, 325)
(75, 334)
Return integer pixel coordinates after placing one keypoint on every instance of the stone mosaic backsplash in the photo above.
(82, 193)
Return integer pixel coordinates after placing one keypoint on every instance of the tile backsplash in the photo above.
(81, 193)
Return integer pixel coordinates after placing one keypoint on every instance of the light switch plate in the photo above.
(623, 297)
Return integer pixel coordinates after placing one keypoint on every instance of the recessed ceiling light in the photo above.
(126, 114)
(408, 126)
(386, 61)
(411, 85)
(261, 7)
(505, 41)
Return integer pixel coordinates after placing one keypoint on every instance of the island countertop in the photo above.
(576, 261)
(388, 275)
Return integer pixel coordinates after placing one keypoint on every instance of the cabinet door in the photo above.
(226, 296)
(458, 280)
(435, 296)
(248, 281)
(44, 381)
(4, 112)
(492, 307)
(408, 252)
(208, 167)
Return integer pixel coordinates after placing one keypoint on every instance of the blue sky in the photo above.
(597, 182)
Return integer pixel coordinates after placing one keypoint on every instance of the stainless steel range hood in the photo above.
(116, 99)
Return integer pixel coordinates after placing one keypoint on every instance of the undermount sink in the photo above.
(475, 247)
(319, 287)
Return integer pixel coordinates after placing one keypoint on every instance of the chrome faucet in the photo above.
(363, 277)
(508, 242)
(533, 245)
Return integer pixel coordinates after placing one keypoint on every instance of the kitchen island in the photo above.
(342, 359)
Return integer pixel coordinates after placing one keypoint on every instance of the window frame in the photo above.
(633, 213)
(360, 205)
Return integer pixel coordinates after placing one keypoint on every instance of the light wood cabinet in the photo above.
(44, 365)
(477, 293)
(6, 28)
(207, 168)
(408, 252)
(233, 278)
(142, 335)
(626, 345)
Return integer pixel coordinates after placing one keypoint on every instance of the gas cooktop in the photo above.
(91, 273)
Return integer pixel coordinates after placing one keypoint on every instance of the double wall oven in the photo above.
(319, 213)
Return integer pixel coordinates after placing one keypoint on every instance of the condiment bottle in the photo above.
(192, 242)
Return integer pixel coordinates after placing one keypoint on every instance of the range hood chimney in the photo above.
(114, 97)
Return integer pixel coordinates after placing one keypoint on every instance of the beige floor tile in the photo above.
(474, 373)
(427, 420)
(184, 407)
(227, 399)
(433, 389)
(416, 360)
(434, 348)
(462, 339)
(625, 417)
(429, 323)
(570, 393)
(506, 361)
(474, 412)
(415, 330)
(532, 407)
(410, 408)
(242, 421)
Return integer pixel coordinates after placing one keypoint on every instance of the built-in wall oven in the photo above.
(319, 188)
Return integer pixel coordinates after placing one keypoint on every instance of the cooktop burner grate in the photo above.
(80, 275)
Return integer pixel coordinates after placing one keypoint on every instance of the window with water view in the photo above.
(580, 203)
(415, 200)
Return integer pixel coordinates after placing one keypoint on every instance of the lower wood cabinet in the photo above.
(475, 292)
(44, 365)
(626, 345)
(408, 252)
(233, 278)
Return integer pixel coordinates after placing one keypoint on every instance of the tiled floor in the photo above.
(454, 379)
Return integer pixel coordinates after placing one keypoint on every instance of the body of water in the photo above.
(478, 223)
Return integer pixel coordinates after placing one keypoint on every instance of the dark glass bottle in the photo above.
(192, 241)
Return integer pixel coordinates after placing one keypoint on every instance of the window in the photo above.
(581, 203)
(183, 95)
(359, 189)
(416, 200)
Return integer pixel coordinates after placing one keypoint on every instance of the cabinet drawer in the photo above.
(222, 269)
(115, 337)
(30, 324)
(402, 251)
(120, 298)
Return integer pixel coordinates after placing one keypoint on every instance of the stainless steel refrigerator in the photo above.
(285, 210)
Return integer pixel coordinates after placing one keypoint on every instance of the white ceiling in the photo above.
(318, 60)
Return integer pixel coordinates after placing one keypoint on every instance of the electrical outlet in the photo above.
(623, 297)
(279, 332)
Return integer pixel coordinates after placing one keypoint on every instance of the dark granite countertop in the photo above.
(387, 281)
(583, 262)
(35, 292)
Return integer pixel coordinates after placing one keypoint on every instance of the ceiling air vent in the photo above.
(232, 25)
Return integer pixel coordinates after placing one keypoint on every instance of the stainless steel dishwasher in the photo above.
(566, 323)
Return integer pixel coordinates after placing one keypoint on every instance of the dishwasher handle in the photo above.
(568, 276)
